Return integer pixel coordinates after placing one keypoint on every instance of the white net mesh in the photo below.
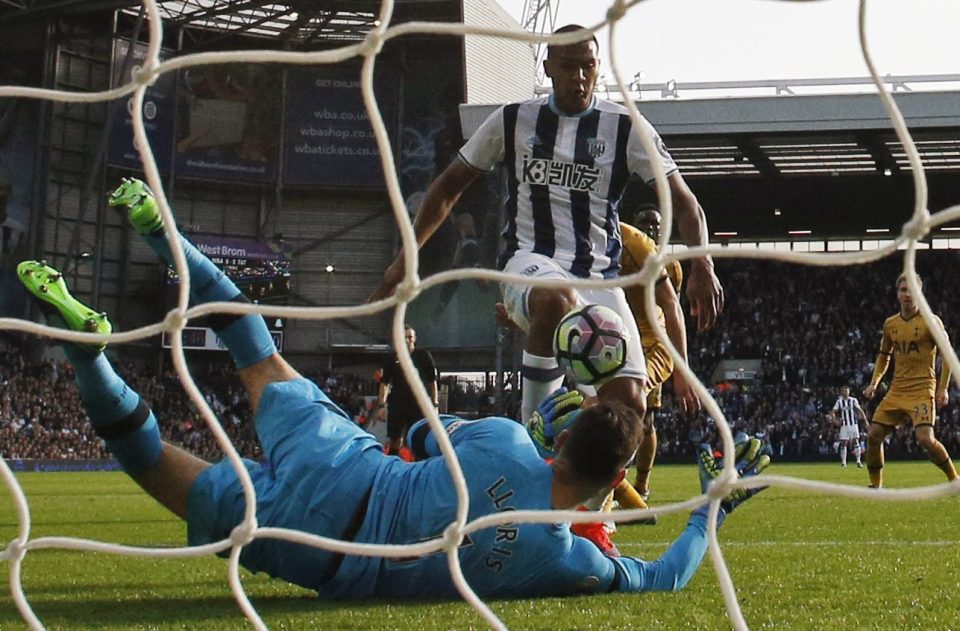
(920, 224)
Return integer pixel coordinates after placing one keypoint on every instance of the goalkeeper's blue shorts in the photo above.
(320, 468)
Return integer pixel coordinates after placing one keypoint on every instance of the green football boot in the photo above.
(61, 309)
(142, 209)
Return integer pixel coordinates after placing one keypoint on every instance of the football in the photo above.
(591, 344)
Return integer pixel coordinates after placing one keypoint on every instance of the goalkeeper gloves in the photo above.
(554, 415)
(751, 458)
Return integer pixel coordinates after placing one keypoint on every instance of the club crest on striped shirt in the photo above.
(596, 147)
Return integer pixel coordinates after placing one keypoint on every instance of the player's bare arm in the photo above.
(943, 384)
(380, 414)
(863, 415)
(703, 287)
(441, 196)
(881, 365)
(675, 325)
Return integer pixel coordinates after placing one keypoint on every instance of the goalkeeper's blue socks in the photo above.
(118, 414)
(245, 336)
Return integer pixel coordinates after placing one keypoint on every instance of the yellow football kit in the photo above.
(911, 395)
(637, 246)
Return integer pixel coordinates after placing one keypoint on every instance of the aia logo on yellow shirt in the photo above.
(902, 348)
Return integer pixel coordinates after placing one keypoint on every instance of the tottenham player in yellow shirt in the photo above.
(639, 242)
(914, 394)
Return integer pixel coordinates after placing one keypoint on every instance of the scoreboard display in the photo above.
(260, 271)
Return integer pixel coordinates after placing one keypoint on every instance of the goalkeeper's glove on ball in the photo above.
(554, 415)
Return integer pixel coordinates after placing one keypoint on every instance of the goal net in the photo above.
(152, 67)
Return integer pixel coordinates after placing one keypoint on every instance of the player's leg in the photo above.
(628, 495)
(118, 414)
(394, 435)
(856, 451)
(629, 386)
(659, 366)
(935, 450)
(259, 375)
(537, 311)
(401, 416)
(646, 455)
(885, 421)
(411, 419)
(394, 429)
(540, 371)
(843, 453)
(627, 390)
(246, 336)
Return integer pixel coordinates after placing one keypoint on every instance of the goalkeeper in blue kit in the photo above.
(326, 476)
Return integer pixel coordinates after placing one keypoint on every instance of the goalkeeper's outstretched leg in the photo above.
(246, 336)
(118, 414)
(292, 415)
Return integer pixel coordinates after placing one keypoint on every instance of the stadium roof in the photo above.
(299, 22)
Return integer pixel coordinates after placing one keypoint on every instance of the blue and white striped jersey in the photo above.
(846, 408)
(565, 174)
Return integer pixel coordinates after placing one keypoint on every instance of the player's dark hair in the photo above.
(602, 440)
(570, 28)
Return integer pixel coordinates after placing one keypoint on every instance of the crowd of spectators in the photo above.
(813, 329)
(41, 416)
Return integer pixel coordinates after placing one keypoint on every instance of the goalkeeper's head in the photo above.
(593, 452)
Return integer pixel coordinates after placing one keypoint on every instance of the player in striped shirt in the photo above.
(848, 413)
(567, 157)
(915, 394)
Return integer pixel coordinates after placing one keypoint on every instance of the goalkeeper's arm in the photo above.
(423, 443)
(679, 563)
(673, 570)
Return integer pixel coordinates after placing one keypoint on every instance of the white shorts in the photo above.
(539, 266)
(849, 432)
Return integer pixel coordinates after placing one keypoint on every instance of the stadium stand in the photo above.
(814, 329)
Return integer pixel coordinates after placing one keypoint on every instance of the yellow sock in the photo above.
(628, 496)
(940, 457)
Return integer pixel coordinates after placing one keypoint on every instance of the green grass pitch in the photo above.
(799, 561)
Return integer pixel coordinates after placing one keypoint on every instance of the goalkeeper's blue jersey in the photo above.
(415, 502)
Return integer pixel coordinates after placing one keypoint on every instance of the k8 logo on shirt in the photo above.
(577, 177)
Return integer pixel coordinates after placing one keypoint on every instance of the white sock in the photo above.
(541, 376)
(856, 452)
(843, 453)
(595, 503)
